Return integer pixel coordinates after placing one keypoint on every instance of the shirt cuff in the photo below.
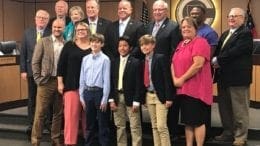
(111, 100)
(136, 103)
(214, 61)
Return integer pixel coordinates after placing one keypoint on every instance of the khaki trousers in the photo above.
(120, 122)
(47, 95)
(233, 105)
(158, 114)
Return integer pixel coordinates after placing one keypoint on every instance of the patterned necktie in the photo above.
(146, 73)
(226, 39)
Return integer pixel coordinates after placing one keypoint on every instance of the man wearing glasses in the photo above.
(30, 38)
(233, 64)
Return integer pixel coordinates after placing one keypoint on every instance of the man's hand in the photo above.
(168, 104)
(135, 108)
(113, 106)
(24, 76)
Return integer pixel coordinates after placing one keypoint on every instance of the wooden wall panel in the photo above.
(13, 20)
(10, 83)
(1, 21)
(253, 85)
(257, 84)
(29, 14)
(111, 10)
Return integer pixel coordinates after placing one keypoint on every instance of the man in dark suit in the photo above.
(30, 37)
(159, 87)
(165, 31)
(167, 36)
(125, 25)
(233, 64)
(126, 93)
(96, 23)
(61, 10)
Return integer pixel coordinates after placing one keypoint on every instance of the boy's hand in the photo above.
(83, 105)
(103, 107)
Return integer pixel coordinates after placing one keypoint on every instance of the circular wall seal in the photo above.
(184, 7)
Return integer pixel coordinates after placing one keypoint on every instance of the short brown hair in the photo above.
(147, 39)
(190, 21)
(97, 37)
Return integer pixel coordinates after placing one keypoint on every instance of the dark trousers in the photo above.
(32, 90)
(95, 116)
(173, 119)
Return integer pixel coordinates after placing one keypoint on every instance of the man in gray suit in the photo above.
(28, 44)
(44, 67)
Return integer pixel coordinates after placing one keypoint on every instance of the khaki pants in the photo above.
(233, 105)
(158, 114)
(47, 96)
(120, 122)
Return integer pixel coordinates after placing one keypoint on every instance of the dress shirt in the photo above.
(57, 45)
(95, 72)
(156, 27)
(122, 26)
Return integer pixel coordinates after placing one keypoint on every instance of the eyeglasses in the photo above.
(233, 16)
(78, 30)
(40, 17)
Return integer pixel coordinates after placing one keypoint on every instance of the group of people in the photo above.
(89, 67)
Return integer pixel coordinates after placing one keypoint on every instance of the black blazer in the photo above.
(27, 48)
(167, 37)
(235, 58)
(132, 80)
(161, 78)
(134, 30)
(102, 24)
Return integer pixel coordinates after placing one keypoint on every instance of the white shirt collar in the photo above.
(93, 22)
(125, 57)
(125, 21)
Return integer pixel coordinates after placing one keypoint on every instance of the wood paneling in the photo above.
(10, 83)
(1, 21)
(13, 20)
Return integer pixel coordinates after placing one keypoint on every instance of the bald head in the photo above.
(236, 17)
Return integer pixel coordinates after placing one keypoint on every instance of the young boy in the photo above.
(159, 87)
(94, 90)
(125, 99)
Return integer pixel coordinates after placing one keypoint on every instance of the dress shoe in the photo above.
(239, 143)
(224, 138)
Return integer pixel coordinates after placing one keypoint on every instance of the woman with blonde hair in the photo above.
(68, 81)
(76, 15)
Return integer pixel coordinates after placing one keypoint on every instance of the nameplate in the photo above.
(7, 60)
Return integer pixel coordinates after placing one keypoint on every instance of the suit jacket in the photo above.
(235, 58)
(161, 78)
(27, 49)
(102, 24)
(134, 30)
(132, 80)
(167, 37)
(43, 60)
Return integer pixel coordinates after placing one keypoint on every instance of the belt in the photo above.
(120, 91)
(151, 92)
(93, 88)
